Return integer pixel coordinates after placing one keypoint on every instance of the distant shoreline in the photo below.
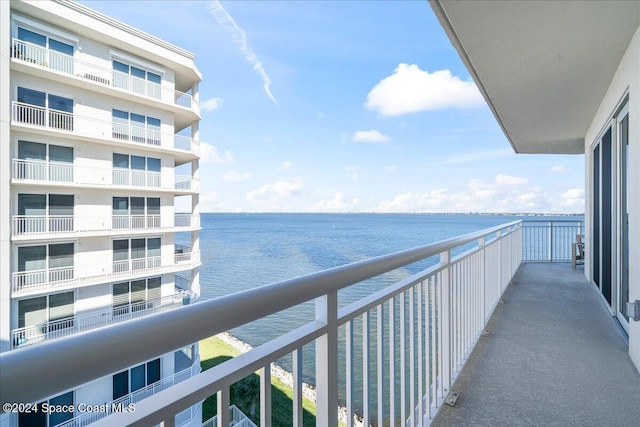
(527, 214)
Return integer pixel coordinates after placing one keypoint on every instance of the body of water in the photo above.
(244, 251)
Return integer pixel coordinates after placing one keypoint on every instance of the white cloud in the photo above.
(507, 180)
(235, 176)
(391, 168)
(559, 169)
(573, 199)
(369, 136)
(286, 164)
(502, 194)
(337, 204)
(210, 202)
(239, 37)
(211, 104)
(410, 89)
(275, 192)
(210, 154)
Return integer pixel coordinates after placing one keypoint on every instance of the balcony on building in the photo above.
(471, 297)
(37, 110)
(46, 267)
(59, 315)
(46, 56)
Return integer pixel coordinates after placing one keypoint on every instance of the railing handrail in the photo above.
(114, 348)
(175, 93)
(172, 137)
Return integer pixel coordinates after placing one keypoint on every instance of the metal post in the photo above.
(551, 241)
(327, 362)
(445, 258)
(223, 404)
(265, 396)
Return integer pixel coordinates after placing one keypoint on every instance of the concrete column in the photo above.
(5, 177)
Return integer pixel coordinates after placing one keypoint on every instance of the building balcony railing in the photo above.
(425, 327)
(236, 416)
(52, 278)
(84, 419)
(61, 173)
(22, 337)
(47, 58)
(56, 225)
(48, 118)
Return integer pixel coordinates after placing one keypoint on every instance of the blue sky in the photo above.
(346, 106)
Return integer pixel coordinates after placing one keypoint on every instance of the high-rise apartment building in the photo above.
(99, 192)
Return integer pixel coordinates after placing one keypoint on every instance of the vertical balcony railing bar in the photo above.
(550, 241)
(38, 55)
(442, 299)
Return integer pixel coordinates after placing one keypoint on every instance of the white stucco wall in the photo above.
(626, 79)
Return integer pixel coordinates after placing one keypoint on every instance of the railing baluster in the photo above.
(265, 396)
(445, 332)
(298, 410)
(350, 381)
(366, 371)
(403, 362)
(412, 358)
(326, 361)
(392, 361)
(380, 365)
(420, 354)
(223, 403)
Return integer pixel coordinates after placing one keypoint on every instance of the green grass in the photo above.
(214, 351)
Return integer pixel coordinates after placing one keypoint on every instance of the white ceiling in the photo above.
(543, 66)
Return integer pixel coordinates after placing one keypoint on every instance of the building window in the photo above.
(135, 127)
(44, 162)
(138, 171)
(43, 109)
(43, 50)
(45, 263)
(39, 317)
(133, 379)
(136, 79)
(136, 212)
(35, 215)
(137, 295)
(136, 254)
(39, 418)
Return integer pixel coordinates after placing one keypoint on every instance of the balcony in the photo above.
(41, 226)
(24, 282)
(430, 322)
(22, 337)
(42, 57)
(84, 419)
(58, 173)
(236, 416)
(102, 130)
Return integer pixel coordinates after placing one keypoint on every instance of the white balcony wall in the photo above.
(626, 79)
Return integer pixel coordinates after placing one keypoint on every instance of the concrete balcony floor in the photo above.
(554, 358)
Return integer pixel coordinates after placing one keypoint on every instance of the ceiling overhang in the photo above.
(542, 66)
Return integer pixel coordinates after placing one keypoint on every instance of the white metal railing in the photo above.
(431, 320)
(42, 116)
(186, 220)
(86, 418)
(22, 337)
(29, 225)
(550, 240)
(51, 278)
(37, 55)
(185, 417)
(58, 172)
(236, 418)
(101, 129)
